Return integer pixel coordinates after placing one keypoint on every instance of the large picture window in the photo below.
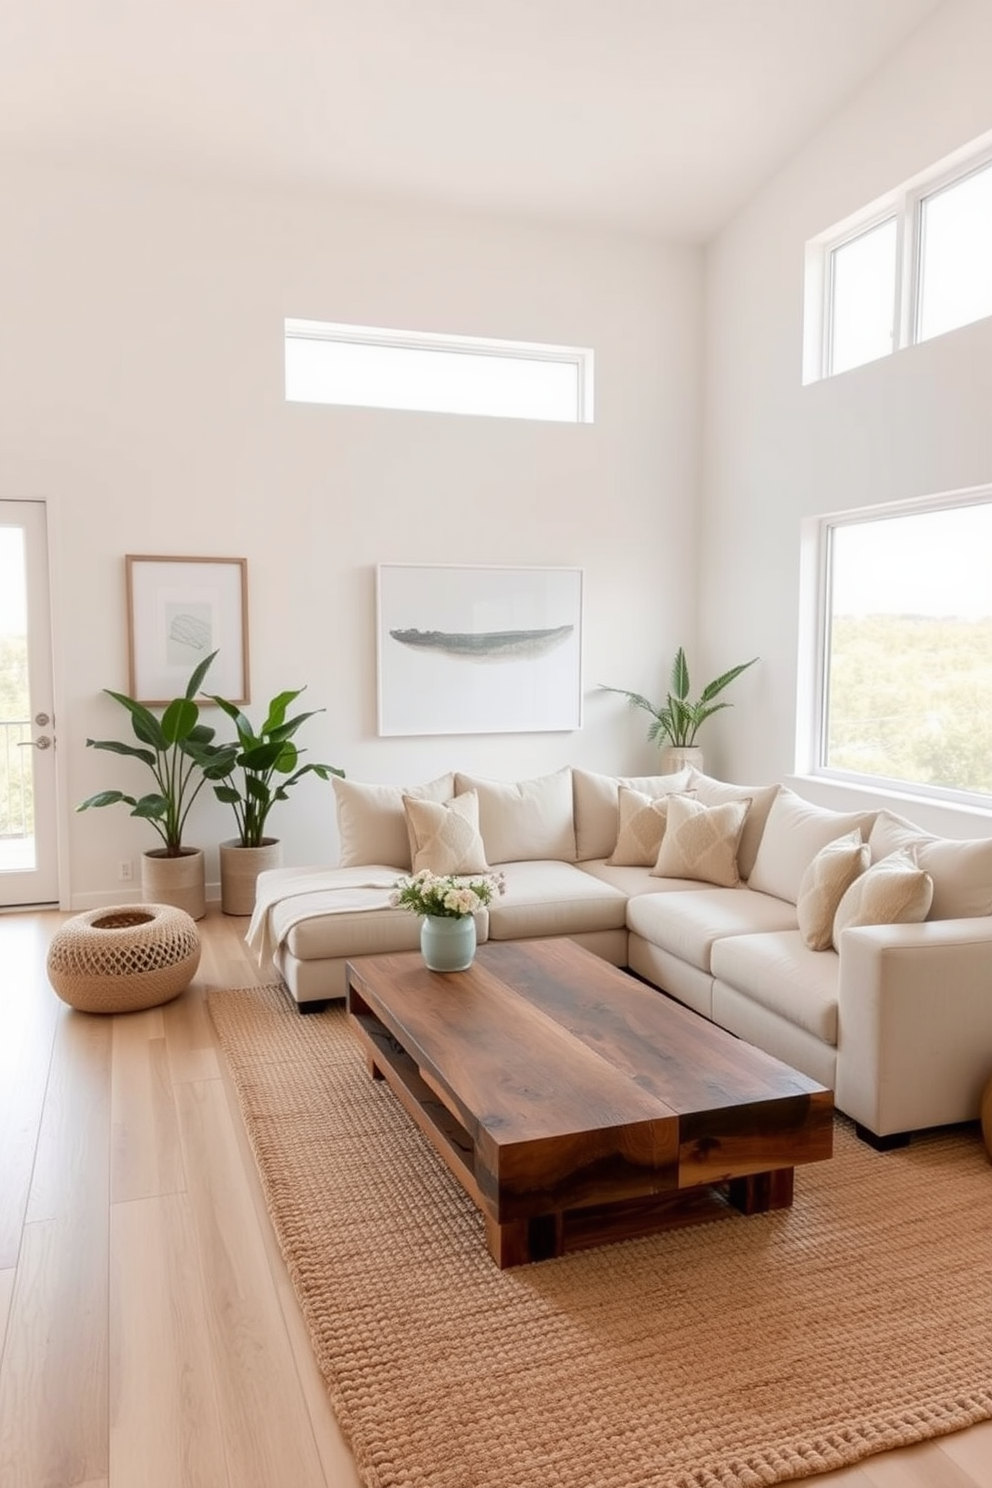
(906, 651)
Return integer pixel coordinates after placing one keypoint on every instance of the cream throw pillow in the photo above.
(701, 842)
(894, 891)
(596, 798)
(444, 835)
(824, 884)
(713, 792)
(794, 833)
(372, 822)
(525, 819)
(961, 868)
(642, 826)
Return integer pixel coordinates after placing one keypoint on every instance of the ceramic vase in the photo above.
(447, 943)
(675, 757)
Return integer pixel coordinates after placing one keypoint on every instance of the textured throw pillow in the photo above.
(824, 884)
(642, 826)
(444, 835)
(527, 819)
(894, 891)
(596, 799)
(372, 822)
(701, 842)
(794, 833)
(714, 792)
(961, 868)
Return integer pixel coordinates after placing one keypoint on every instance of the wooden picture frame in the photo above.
(179, 609)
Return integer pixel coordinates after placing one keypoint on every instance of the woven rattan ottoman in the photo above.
(120, 960)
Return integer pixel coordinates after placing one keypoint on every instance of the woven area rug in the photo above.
(736, 1353)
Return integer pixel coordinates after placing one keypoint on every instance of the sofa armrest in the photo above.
(914, 1036)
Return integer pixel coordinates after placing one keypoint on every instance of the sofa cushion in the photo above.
(794, 833)
(780, 973)
(596, 806)
(894, 891)
(642, 826)
(688, 924)
(823, 885)
(715, 792)
(631, 881)
(526, 819)
(552, 898)
(702, 841)
(961, 869)
(372, 823)
(444, 835)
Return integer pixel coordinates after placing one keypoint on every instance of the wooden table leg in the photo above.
(524, 1240)
(759, 1192)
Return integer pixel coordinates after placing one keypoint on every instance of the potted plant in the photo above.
(256, 772)
(180, 753)
(676, 722)
(447, 904)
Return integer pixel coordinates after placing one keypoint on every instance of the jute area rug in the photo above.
(740, 1352)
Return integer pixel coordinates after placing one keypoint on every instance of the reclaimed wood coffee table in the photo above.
(576, 1105)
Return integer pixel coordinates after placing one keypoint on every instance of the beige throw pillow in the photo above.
(794, 833)
(824, 884)
(894, 891)
(372, 822)
(444, 835)
(701, 842)
(596, 800)
(961, 868)
(642, 826)
(526, 819)
(713, 792)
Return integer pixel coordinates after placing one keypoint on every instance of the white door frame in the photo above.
(46, 696)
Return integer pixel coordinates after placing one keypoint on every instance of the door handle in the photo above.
(44, 742)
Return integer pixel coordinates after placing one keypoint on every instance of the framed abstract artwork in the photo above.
(484, 650)
(178, 611)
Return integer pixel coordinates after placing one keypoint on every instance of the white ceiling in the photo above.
(651, 115)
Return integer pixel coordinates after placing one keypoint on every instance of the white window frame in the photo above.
(905, 205)
(579, 357)
(814, 639)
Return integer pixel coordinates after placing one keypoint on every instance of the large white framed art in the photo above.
(178, 611)
(481, 650)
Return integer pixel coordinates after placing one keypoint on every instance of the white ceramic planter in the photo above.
(675, 757)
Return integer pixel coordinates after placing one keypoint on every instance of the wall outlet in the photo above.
(124, 871)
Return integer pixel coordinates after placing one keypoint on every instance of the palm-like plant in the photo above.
(179, 751)
(677, 721)
(261, 768)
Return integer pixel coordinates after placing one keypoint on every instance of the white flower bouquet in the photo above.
(448, 896)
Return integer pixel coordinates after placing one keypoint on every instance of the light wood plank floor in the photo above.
(149, 1332)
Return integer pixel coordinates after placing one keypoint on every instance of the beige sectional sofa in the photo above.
(714, 893)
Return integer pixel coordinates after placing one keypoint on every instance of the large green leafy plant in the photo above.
(180, 753)
(677, 720)
(262, 767)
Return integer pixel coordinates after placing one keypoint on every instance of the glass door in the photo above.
(28, 812)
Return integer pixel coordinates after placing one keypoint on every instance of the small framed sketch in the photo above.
(178, 611)
(479, 650)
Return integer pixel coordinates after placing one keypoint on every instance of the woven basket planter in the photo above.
(123, 959)
(239, 870)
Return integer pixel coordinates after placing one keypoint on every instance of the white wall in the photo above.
(775, 452)
(141, 395)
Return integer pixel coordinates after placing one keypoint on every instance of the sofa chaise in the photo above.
(853, 946)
